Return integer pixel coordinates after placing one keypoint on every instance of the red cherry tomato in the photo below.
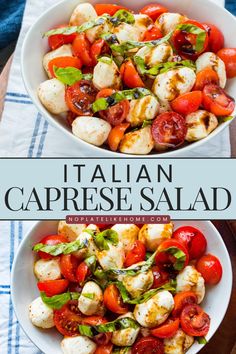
(53, 287)
(81, 49)
(210, 268)
(160, 277)
(130, 76)
(228, 55)
(167, 329)
(136, 254)
(193, 239)
(185, 43)
(57, 40)
(51, 240)
(70, 117)
(194, 321)
(153, 11)
(152, 34)
(217, 101)
(80, 97)
(206, 77)
(169, 129)
(69, 264)
(216, 37)
(101, 338)
(68, 319)
(63, 62)
(116, 114)
(115, 136)
(168, 253)
(82, 272)
(110, 9)
(112, 300)
(104, 349)
(98, 48)
(181, 300)
(148, 345)
(187, 103)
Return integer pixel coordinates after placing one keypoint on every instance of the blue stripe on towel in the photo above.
(15, 94)
(18, 101)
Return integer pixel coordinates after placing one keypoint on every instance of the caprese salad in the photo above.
(137, 83)
(124, 288)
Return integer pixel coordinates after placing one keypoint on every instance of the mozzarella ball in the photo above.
(189, 279)
(156, 55)
(83, 13)
(93, 130)
(93, 227)
(63, 51)
(155, 311)
(211, 60)
(152, 235)
(91, 299)
(127, 234)
(95, 33)
(90, 247)
(70, 231)
(125, 32)
(171, 84)
(47, 269)
(168, 21)
(106, 75)
(141, 24)
(112, 258)
(178, 344)
(138, 284)
(52, 95)
(145, 108)
(200, 124)
(78, 345)
(125, 337)
(40, 314)
(137, 142)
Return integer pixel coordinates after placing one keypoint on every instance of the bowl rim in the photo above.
(92, 150)
(31, 231)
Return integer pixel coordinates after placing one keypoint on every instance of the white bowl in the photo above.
(24, 288)
(34, 47)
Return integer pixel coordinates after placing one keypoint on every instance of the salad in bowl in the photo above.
(137, 83)
(124, 288)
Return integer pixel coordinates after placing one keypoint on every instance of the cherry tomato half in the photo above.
(68, 319)
(169, 129)
(210, 268)
(152, 34)
(167, 329)
(98, 48)
(194, 321)
(63, 62)
(53, 287)
(116, 134)
(216, 37)
(181, 300)
(185, 43)
(130, 76)
(228, 55)
(112, 300)
(69, 264)
(82, 272)
(101, 338)
(148, 345)
(80, 97)
(104, 349)
(193, 239)
(110, 9)
(160, 277)
(57, 40)
(217, 101)
(187, 103)
(168, 255)
(51, 240)
(81, 49)
(206, 77)
(153, 11)
(136, 254)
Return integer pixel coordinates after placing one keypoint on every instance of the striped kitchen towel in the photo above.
(22, 126)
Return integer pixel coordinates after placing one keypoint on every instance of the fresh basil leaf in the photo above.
(87, 76)
(224, 119)
(201, 34)
(69, 75)
(147, 123)
(201, 340)
(57, 301)
(88, 295)
(121, 350)
(148, 255)
(99, 273)
(102, 239)
(61, 248)
(86, 330)
(179, 255)
(91, 263)
(100, 104)
(89, 231)
(106, 60)
(122, 16)
(67, 30)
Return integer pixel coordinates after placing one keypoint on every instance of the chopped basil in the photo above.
(105, 102)
(87, 76)
(224, 119)
(179, 255)
(122, 16)
(61, 248)
(69, 75)
(91, 263)
(86, 330)
(201, 340)
(146, 123)
(89, 231)
(121, 350)
(57, 301)
(106, 60)
(99, 273)
(88, 295)
(102, 239)
(201, 34)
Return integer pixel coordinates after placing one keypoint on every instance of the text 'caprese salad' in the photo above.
(124, 288)
(137, 83)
